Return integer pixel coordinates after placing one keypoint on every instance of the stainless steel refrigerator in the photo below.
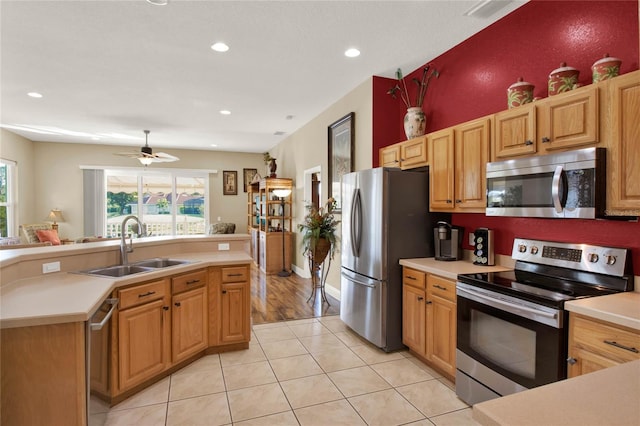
(385, 218)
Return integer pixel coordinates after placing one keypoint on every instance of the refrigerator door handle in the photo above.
(356, 223)
(355, 281)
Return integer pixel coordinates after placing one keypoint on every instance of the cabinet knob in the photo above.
(449, 201)
(420, 298)
(428, 302)
(166, 308)
(545, 139)
(571, 360)
(224, 291)
(177, 304)
(528, 142)
(458, 201)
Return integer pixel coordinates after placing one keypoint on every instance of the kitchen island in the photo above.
(171, 316)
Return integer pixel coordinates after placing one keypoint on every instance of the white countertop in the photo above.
(621, 308)
(605, 397)
(68, 297)
(449, 269)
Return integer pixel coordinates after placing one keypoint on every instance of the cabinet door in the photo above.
(569, 120)
(235, 312)
(471, 156)
(587, 362)
(413, 153)
(188, 324)
(441, 334)
(514, 133)
(413, 318)
(390, 156)
(623, 167)
(441, 170)
(143, 339)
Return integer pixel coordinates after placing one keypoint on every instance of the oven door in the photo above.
(507, 344)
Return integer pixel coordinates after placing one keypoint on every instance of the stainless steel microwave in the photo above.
(569, 184)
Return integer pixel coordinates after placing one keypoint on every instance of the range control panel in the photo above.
(584, 257)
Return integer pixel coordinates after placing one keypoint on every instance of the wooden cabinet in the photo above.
(441, 323)
(274, 218)
(566, 121)
(144, 332)
(622, 134)
(229, 305)
(188, 315)
(406, 155)
(414, 310)
(595, 344)
(457, 172)
(390, 156)
(429, 318)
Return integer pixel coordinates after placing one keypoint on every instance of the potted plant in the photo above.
(414, 120)
(319, 232)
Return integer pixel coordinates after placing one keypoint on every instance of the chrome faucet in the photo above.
(124, 249)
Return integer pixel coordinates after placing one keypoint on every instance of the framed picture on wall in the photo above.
(341, 154)
(229, 182)
(247, 177)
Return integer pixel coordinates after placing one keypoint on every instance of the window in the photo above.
(7, 198)
(168, 203)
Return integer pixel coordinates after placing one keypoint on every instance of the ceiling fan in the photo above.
(146, 155)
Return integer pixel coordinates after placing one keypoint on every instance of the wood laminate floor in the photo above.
(275, 298)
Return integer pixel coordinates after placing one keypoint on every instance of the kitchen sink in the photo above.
(160, 263)
(135, 268)
(117, 271)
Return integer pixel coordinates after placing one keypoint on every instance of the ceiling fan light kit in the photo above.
(146, 155)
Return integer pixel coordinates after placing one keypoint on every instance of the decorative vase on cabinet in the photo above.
(415, 122)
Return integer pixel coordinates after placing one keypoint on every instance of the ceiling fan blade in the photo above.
(164, 157)
(131, 154)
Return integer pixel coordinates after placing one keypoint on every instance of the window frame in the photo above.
(11, 204)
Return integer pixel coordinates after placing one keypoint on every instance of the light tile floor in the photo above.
(304, 372)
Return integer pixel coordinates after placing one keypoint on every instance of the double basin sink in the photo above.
(134, 268)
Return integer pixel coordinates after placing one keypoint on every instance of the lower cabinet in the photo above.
(230, 305)
(595, 345)
(143, 333)
(188, 315)
(429, 318)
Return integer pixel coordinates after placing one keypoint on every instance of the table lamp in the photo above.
(55, 215)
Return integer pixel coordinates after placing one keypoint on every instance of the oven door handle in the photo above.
(500, 304)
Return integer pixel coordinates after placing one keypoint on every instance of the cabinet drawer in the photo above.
(615, 343)
(142, 293)
(441, 287)
(413, 278)
(235, 274)
(188, 281)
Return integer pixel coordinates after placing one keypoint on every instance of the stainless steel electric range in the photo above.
(512, 327)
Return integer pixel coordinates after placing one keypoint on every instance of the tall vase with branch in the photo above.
(415, 122)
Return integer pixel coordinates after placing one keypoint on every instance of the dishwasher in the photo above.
(98, 332)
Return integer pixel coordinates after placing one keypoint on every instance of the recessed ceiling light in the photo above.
(34, 94)
(220, 47)
(352, 52)
(214, 145)
(225, 112)
(158, 2)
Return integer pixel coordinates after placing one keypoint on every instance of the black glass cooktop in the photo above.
(550, 286)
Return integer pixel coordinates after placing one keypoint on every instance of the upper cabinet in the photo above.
(457, 172)
(621, 131)
(559, 122)
(406, 155)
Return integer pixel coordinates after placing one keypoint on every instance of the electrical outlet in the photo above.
(219, 218)
(47, 268)
(223, 246)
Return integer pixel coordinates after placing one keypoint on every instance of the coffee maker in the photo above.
(448, 241)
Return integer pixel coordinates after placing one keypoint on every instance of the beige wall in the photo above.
(21, 150)
(308, 148)
(56, 178)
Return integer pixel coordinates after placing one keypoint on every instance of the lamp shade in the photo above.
(282, 192)
(55, 215)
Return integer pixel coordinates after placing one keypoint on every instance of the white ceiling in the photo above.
(117, 67)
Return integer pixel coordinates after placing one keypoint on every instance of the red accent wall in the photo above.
(474, 77)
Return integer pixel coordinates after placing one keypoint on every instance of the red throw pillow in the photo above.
(50, 235)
